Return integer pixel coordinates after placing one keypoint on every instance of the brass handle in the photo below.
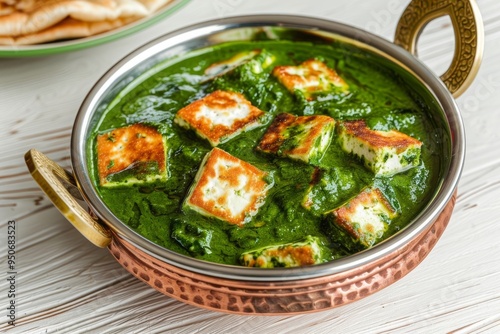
(469, 36)
(57, 183)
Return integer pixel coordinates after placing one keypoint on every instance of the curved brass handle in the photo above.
(57, 183)
(469, 36)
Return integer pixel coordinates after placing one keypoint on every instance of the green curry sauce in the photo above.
(376, 94)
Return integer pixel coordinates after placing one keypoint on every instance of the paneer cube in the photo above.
(365, 217)
(257, 60)
(132, 154)
(222, 67)
(227, 188)
(295, 254)
(384, 152)
(303, 138)
(220, 116)
(311, 77)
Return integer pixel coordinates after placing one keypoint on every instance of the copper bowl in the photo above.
(244, 290)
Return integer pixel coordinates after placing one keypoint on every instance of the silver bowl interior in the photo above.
(145, 61)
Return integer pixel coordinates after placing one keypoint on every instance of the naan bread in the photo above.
(38, 21)
(66, 29)
(5, 9)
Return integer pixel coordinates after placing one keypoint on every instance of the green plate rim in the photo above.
(16, 51)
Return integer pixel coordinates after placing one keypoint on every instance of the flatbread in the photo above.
(38, 21)
(6, 9)
(67, 29)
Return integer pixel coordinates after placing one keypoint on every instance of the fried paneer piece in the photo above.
(303, 138)
(132, 154)
(310, 77)
(365, 217)
(220, 116)
(227, 65)
(295, 254)
(227, 188)
(245, 65)
(384, 152)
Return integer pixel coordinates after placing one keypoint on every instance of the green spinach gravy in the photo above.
(376, 94)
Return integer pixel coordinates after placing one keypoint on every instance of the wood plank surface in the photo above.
(66, 285)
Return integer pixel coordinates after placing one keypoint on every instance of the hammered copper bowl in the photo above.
(244, 290)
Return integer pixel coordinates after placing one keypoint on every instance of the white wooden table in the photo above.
(66, 285)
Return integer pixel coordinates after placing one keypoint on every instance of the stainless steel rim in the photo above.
(202, 34)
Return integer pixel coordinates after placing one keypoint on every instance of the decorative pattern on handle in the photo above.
(56, 183)
(469, 36)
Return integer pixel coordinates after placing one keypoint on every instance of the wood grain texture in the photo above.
(66, 285)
